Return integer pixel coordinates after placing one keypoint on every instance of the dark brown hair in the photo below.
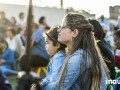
(97, 28)
(53, 36)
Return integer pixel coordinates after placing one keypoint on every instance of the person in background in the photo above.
(3, 20)
(117, 46)
(12, 22)
(42, 23)
(4, 84)
(47, 28)
(104, 21)
(39, 55)
(21, 21)
(108, 35)
(105, 48)
(57, 52)
(2, 31)
(117, 24)
(11, 32)
(6, 59)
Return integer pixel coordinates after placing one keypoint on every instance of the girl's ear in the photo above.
(58, 45)
(75, 33)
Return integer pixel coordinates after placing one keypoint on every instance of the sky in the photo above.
(98, 7)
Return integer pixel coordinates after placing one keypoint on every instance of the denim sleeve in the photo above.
(72, 73)
(56, 67)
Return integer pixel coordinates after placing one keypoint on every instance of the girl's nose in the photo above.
(59, 29)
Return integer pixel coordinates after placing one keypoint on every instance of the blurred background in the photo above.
(13, 13)
(52, 9)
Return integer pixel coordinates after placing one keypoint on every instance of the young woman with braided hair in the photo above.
(84, 67)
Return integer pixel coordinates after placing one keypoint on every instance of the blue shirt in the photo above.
(107, 27)
(39, 46)
(8, 56)
(53, 71)
(71, 79)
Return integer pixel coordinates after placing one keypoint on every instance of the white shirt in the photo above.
(21, 22)
(11, 43)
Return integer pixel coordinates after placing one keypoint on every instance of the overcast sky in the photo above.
(98, 7)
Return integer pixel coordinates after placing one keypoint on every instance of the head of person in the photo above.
(117, 39)
(13, 20)
(102, 17)
(2, 14)
(21, 15)
(34, 27)
(42, 20)
(19, 30)
(11, 32)
(52, 44)
(3, 45)
(77, 33)
(97, 29)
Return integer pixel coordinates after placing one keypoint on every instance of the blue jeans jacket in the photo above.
(72, 77)
(53, 70)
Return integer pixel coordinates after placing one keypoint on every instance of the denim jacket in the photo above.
(72, 77)
(53, 70)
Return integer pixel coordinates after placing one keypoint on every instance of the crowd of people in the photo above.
(80, 54)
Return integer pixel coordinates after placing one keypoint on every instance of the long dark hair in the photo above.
(98, 30)
(86, 41)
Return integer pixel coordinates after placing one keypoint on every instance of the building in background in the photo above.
(83, 12)
(87, 14)
(53, 15)
(114, 12)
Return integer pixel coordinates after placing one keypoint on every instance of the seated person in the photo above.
(57, 52)
(39, 55)
(6, 59)
(117, 46)
(105, 48)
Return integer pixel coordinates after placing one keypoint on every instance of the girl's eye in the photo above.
(47, 42)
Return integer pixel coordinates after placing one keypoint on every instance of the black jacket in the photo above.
(107, 52)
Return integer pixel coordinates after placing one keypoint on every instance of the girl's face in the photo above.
(2, 45)
(51, 49)
(65, 34)
(117, 41)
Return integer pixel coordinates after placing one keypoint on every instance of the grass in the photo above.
(13, 81)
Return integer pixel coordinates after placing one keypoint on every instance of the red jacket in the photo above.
(117, 61)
